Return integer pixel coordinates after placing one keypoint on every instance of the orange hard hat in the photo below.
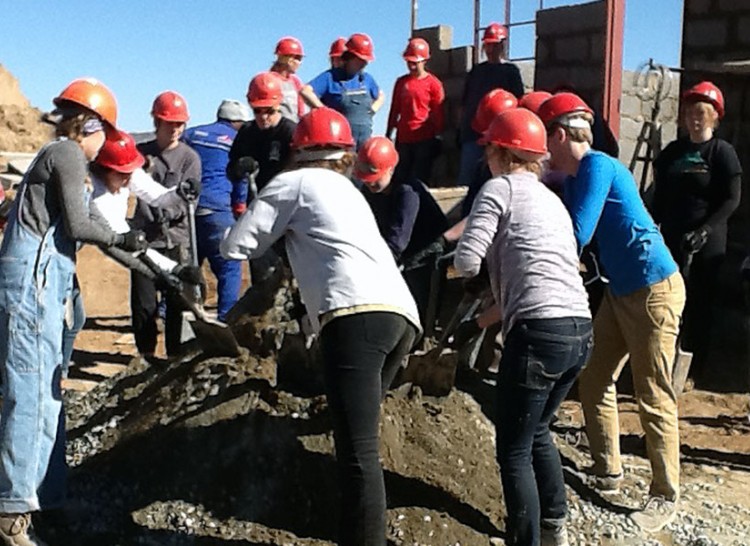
(289, 45)
(265, 91)
(119, 153)
(562, 104)
(417, 50)
(337, 48)
(170, 106)
(495, 33)
(323, 127)
(360, 45)
(533, 100)
(92, 95)
(706, 92)
(496, 101)
(519, 130)
(375, 157)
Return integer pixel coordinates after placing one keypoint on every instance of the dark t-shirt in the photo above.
(696, 185)
(408, 217)
(269, 147)
(482, 79)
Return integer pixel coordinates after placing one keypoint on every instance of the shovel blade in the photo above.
(215, 338)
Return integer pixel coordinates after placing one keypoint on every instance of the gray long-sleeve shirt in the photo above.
(526, 235)
(55, 188)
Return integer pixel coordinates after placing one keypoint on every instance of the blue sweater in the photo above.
(604, 204)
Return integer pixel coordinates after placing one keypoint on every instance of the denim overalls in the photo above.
(356, 105)
(36, 280)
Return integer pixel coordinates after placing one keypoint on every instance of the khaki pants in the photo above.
(644, 325)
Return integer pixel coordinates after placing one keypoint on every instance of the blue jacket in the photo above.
(604, 204)
(213, 142)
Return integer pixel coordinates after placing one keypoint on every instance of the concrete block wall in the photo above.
(570, 49)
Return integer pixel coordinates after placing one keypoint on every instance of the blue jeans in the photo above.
(361, 132)
(471, 153)
(36, 278)
(541, 360)
(210, 229)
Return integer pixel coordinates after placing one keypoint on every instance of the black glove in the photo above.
(465, 331)
(189, 274)
(189, 189)
(422, 257)
(132, 241)
(243, 167)
(695, 240)
(167, 282)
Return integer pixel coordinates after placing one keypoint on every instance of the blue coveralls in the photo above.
(214, 214)
(352, 96)
(36, 282)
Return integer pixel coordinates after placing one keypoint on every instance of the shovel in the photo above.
(214, 337)
(682, 359)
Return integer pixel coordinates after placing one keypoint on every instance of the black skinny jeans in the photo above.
(541, 360)
(362, 354)
(144, 311)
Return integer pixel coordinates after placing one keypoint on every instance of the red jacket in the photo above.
(417, 108)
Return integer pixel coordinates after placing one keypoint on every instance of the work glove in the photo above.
(167, 282)
(434, 250)
(238, 209)
(189, 189)
(245, 166)
(465, 331)
(132, 241)
(189, 274)
(695, 240)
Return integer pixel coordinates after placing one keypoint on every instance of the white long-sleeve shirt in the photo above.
(334, 246)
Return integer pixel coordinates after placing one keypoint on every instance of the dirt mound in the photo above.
(21, 129)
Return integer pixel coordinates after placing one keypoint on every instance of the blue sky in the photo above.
(208, 50)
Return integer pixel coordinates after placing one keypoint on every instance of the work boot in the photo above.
(609, 483)
(657, 514)
(554, 536)
(16, 530)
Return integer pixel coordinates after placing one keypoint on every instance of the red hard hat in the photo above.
(533, 100)
(289, 46)
(706, 92)
(92, 95)
(119, 153)
(360, 45)
(519, 130)
(375, 157)
(496, 101)
(323, 127)
(170, 106)
(561, 104)
(495, 33)
(337, 48)
(265, 91)
(417, 50)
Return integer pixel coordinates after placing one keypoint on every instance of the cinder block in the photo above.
(706, 33)
(743, 30)
(629, 129)
(571, 19)
(439, 37)
(596, 47)
(542, 51)
(575, 48)
(461, 60)
(697, 6)
(734, 6)
(440, 64)
(549, 77)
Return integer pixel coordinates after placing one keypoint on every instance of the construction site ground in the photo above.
(210, 452)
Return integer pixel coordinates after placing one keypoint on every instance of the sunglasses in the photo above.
(264, 111)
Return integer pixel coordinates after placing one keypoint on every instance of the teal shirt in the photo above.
(605, 206)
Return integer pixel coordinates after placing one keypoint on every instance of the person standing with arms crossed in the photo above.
(640, 312)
